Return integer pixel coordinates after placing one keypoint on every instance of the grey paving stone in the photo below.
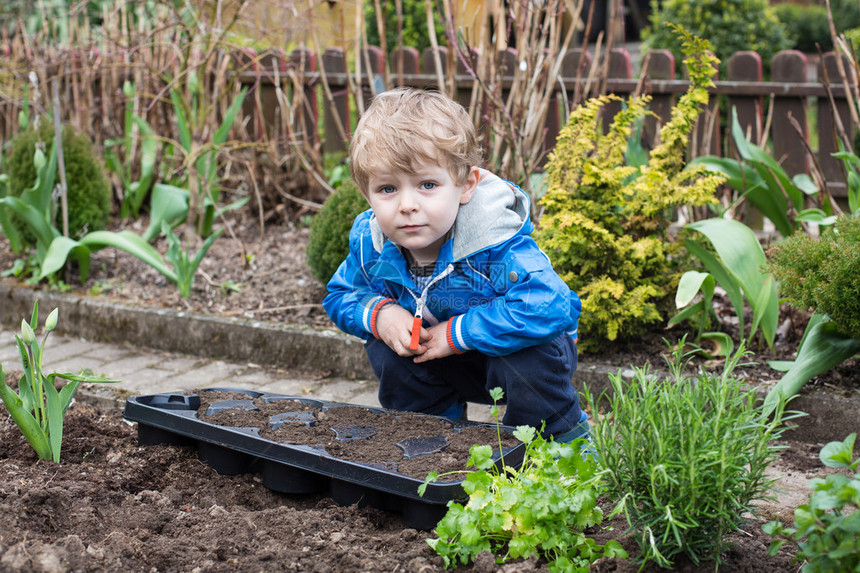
(9, 354)
(109, 352)
(369, 398)
(481, 412)
(131, 365)
(251, 377)
(179, 363)
(339, 390)
(166, 384)
(288, 386)
(73, 364)
(216, 372)
(60, 349)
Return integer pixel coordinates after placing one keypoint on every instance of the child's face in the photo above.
(416, 210)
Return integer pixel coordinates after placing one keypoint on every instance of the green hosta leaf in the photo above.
(59, 252)
(722, 276)
(823, 347)
(743, 257)
(132, 244)
(689, 286)
(168, 204)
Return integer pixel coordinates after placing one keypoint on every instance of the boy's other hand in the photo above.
(437, 345)
(394, 326)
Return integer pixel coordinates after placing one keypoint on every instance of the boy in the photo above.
(443, 279)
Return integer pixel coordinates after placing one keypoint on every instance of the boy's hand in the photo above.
(394, 326)
(437, 345)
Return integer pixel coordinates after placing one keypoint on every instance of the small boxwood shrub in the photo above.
(822, 274)
(89, 190)
(328, 244)
(730, 26)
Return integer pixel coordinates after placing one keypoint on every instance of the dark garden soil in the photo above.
(112, 505)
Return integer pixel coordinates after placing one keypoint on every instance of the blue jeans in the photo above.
(536, 382)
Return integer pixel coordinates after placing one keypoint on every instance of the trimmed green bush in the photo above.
(328, 244)
(730, 26)
(89, 192)
(805, 26)
(822, 274)
(414, 31)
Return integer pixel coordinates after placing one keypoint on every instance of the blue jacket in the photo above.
(492, 283)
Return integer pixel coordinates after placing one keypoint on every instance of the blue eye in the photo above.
(387, 189)
(428, 185)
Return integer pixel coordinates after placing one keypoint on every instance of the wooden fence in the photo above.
(786, 105)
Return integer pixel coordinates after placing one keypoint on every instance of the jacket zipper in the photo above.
(420, 303)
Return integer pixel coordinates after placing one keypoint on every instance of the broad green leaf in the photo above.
(743, 257)
(229, 119)
(689, 285)
(689, 313)
(722, 276)
(781, 365)
(35, 220)
(198, 257)
(766, 311)
(59, 251)
(148, 156)
(132, 244)
(815, 215)
(169, 204)
(724, 345)
(55, 420)
(805, 183)
(839, 454)
(26, 422)
(823, 348)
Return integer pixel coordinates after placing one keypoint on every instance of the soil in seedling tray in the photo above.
(414, 444)
(360, 455)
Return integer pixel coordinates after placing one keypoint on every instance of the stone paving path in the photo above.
(146, 371)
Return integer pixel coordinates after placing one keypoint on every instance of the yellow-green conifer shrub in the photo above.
(605, 223)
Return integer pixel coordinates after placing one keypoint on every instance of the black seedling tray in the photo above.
(171, 418)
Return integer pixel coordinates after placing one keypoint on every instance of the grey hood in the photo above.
(497, 211)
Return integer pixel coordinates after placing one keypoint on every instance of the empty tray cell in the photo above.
(413, 447)
(216, 407)
(224, 460)
(345, 433)
(287, 479)
(305, 418)
(151, 436)
(420, 515)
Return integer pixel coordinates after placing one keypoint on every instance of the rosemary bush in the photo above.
(685, 458)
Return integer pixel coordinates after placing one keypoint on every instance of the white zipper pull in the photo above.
(419, 308)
